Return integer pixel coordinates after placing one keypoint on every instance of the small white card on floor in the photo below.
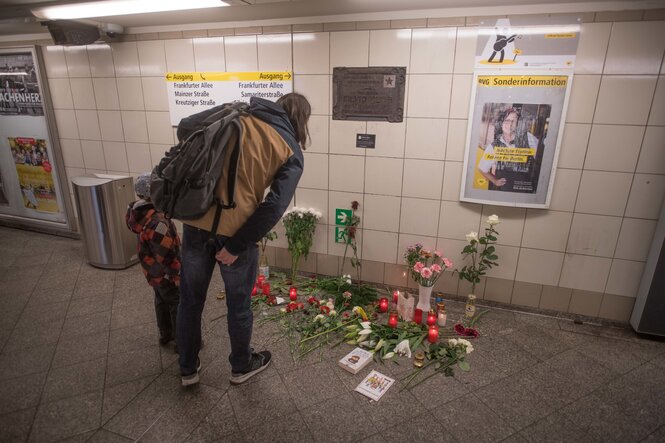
(375, 385)
(355, 360)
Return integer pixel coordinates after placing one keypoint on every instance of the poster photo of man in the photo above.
(19, 88)
(511, 146)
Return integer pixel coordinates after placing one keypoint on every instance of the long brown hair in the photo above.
(298, 110)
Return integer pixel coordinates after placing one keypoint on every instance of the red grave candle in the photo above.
(392, 320)
(266, 288)
(383, 304)
(433, 335)
(418, 316)
(395, 296)
(261, 280)
(431, 318)
(293, 293)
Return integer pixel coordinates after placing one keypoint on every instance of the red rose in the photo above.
(352, 232)
(345, 314)
(354, 205)
(471, 332)
(325, 309)
(312, 300)
(300, 305)
(460, 329)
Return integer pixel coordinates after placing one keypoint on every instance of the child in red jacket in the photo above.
(159, 253)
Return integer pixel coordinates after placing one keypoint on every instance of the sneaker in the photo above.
(258, 363)
(193, 378)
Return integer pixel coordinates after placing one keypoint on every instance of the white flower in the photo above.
(379, 345)
(333, 313)
(282, 310)
(472, 236)
(366, 324)
(493, 220)
(403, 348)
(452, 342)
(318, 215)
(347, 278)
(365, 332)
(363, 343)
(300, 214)
(319, 317)
(467, 344)
(330, 304)
(389, 355)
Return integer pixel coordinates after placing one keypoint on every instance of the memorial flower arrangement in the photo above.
(482, 252)
(444, 356)
(349, 237)
(300, 224)
(425, 266)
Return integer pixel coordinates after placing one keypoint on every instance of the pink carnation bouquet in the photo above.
(425, 266)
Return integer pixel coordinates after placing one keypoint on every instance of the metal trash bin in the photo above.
(101, 203)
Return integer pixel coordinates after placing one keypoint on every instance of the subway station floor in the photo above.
(80, 361)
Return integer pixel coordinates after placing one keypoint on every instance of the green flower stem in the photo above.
(416, 373)
(327, 331)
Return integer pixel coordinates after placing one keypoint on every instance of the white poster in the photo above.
(192, 92)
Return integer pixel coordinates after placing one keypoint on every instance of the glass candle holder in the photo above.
(383, 304)
(419, 359)
(470, 310)
(395, 296)
(392, 319)
(433, 334)
(441, 315)
(418, 316)
(431, 318)
(293, 293)
(260, 280)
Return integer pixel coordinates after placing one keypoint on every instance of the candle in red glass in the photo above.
(266, 288)
(383, 304)
(254, 291)
(392, 320)
(418, 315)
(395, 296)
(431, 318)
(260, 280)
(293, 293)
(433, 335)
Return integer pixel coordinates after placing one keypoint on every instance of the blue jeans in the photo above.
(198, 263)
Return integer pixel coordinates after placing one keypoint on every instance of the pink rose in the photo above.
(426, 273)
(447, 263)
(438, 253)
(418, 266)
(435, 268)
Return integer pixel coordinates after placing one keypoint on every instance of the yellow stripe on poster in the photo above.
(227, 76)
(569, 35)
(530, 81)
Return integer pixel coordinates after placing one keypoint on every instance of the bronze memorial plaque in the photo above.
(375, 93)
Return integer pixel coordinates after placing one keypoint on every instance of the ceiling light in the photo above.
(120, 7)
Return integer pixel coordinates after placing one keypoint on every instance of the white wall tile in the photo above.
(555, 224)
(138, 157)
(566, 185)
(426, 138)
(657, 114)
(77, 61)
(635, 239)
(582, 101)
(541, 267)
(594, 235)
(155, 95)
(314, 198)
(54, 59)
(574, 145)
(452, 250)
(71, 153)
(209, 54)
(592, 48)
(159, 127)
(422, 179)
(135, 127)
(508, 257)
(614, 148)
(320, 240)
(100, 57)
(93, 154)
(461, 96)
(458, 219)
(585, 272)
(110, 126)
(382, 213)
(465, 50)
(603, 193)
(343, 136)
(152, 58)
(316, 88)
(646, 196)
(383, 176)
(315, 174)
(125, 59)
(311, 53)
(456, 143)
(433, 50)
(342, 200)
(452, 178)
(115, 156)
(429, 95)
(318, 133)
(130, 94)
(347, 173)
(652, 154)
(625, 278)
(418, 216)
(511, 226)
(157, 152)
(349, 49)
(389, 139)
(625, 100)
(65, 120)
(390, 47)
(106, 93)
(83, 93)
(88, 124)
(635, 48)
(179, 55)
(380, 246)
(274, 52)
(61, 93)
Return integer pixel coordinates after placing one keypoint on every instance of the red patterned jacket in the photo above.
(159, 243)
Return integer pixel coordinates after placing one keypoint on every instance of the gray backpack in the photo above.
(183, 184)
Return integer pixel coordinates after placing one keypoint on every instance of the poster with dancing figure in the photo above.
(34, 170)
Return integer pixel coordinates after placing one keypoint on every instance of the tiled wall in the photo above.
(584, 255)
